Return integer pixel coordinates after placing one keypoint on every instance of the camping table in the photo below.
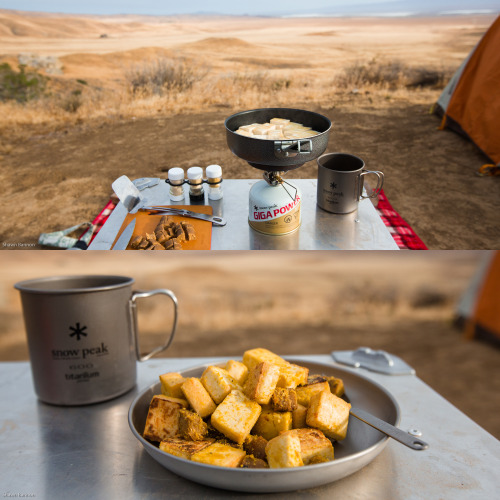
(319, 230)
(88, 452)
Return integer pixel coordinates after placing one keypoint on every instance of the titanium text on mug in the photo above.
(82, 336)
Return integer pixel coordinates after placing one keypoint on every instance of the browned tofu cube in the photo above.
(189, 232)
(336, 386)
(237, 370)
(313, 445)
(161, 236)
(284, 399)
(256, 446)
(271, 423)
(191, 426)
(299, 417)
(261, 382)
(218, 383)
(165, 220)
(306, 392)
(329, 414)
(198, 397)
(236, 416)
(162, 420)
(136, 242)
(283, 451)
(183, 448)
(219, 454)
(156, 246)
(179, 232)
(253, 357)
(171, 384)
(292, 375)
(251, 462)
(315, 379)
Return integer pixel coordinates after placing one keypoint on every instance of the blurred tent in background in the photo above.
(470, 103)
(478, 311)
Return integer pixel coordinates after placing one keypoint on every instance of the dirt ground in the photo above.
(54, 181)
(55, 175)
(404, 303)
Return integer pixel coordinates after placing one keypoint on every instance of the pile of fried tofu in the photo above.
(277, 129)
(168, 235)
(263, 412)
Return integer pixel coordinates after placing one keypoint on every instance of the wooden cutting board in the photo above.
(146, 223)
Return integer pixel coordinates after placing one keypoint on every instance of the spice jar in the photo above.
(214, 178)
(195, 180)
(176, 180)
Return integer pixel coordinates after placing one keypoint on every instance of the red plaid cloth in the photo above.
(99, 221)
(403, 234)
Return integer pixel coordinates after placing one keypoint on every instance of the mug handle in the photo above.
(133, 315)
(380, 182)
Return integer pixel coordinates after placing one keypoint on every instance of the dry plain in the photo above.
(99, 116)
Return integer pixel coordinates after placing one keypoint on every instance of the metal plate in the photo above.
(361, 446)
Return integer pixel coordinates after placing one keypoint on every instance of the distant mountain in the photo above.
(402, 7)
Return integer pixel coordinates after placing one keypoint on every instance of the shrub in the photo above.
(72, 102)
(20, 85)
(164, 76)
(392, 74)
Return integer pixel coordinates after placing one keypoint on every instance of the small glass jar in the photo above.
(176, 180)
(214, 178)
(195, 180)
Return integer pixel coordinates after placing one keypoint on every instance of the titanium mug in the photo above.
(82, 336)
(340, 182)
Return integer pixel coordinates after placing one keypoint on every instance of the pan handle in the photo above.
(289, 149)
(388, 429)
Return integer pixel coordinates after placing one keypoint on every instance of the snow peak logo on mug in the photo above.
(78, 332)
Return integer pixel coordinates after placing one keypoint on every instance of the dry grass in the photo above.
(392, 75)
(176, 85)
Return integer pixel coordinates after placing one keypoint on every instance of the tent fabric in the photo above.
(444, 98)
(485, 313)
(474, 104)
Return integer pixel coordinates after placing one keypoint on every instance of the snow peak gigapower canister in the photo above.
(274, 205)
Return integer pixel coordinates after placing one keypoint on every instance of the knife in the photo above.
(125, 237)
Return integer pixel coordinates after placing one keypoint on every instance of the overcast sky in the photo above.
(253, 7)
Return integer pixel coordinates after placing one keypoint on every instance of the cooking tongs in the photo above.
(133, 201)
(216, 221)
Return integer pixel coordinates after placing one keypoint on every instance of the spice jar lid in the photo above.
(214, 171)
(176, 174)
(195, 173)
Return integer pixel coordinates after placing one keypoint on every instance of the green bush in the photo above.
(20, 85)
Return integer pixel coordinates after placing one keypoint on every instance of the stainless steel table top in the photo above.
(89, 452)
(319, 230)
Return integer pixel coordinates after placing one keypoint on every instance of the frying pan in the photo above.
(277, 155)
(360, 447)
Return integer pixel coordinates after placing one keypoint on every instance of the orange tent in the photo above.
(479, 307)
(471, 101)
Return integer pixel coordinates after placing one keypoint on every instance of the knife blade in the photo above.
(125, 237)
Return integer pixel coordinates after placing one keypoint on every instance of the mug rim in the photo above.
(36, 285)
(339, 154)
